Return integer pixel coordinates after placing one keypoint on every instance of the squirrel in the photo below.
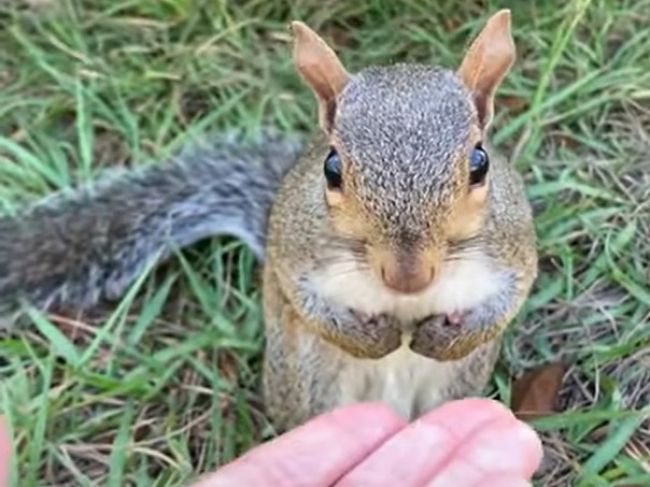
(396, 246)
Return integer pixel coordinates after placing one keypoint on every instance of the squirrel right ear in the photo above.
(321, 69)
(486, 63)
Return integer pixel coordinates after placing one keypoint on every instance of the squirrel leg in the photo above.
(453, 336)
(359, 334)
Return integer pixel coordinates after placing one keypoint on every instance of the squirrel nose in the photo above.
(407, 279)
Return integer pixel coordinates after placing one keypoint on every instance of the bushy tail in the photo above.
(77, 249)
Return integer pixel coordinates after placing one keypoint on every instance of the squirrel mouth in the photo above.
(406, 281)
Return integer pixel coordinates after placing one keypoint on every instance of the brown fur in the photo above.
(404, 214)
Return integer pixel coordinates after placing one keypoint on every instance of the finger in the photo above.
(413, 455)
(315, 454)
(5, 453)
(505, 447)
(427, 446)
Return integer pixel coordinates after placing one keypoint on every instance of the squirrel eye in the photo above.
(332, 169)
(479, 162)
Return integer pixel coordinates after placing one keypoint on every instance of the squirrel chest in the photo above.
(412, 384)
(409, 382)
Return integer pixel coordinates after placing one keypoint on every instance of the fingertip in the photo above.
(533, 444)
(496, 439)
(465, 416)
(468, 408)
(369, 412)
(505, 446)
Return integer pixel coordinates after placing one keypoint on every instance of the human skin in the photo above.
(465, 443)
(5, 452)
(471, 442)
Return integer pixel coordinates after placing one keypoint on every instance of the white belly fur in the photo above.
(407, 381)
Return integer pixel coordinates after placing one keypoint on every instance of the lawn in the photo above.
(164, 384)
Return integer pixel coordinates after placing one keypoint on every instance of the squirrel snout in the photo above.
(405, 277)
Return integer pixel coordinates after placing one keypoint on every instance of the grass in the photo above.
(164, 384)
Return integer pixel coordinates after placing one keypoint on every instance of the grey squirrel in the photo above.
(397, 245)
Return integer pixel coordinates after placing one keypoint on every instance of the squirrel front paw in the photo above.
(363, 335)
(455, 335)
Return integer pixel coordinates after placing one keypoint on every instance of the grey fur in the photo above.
(359, 334)
(405, 133)
(73, 250)
(401, 128)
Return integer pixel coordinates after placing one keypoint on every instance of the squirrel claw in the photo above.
(454, 319)
(364, 335)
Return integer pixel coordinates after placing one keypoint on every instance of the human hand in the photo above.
(470, 442)
(5, 454)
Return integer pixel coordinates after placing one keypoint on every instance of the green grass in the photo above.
(164, 385)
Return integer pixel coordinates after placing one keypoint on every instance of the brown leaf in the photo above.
(535, 393)
(599, 434)
(565, 140)
(339, 37)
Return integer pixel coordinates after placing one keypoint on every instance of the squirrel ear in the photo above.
(321, 70)
(486, 63)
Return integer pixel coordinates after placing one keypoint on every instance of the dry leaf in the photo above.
(599, 434)
(339, 37)
(535, 393)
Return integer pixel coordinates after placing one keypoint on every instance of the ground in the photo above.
(163, 385)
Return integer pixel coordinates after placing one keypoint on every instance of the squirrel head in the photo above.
(407, 175)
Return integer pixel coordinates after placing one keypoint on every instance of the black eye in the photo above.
(479, 162)
(332, 169)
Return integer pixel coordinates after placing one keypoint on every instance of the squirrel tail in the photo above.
(76, 249)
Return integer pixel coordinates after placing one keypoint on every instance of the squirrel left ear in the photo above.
(321, 69)
(486, 63)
